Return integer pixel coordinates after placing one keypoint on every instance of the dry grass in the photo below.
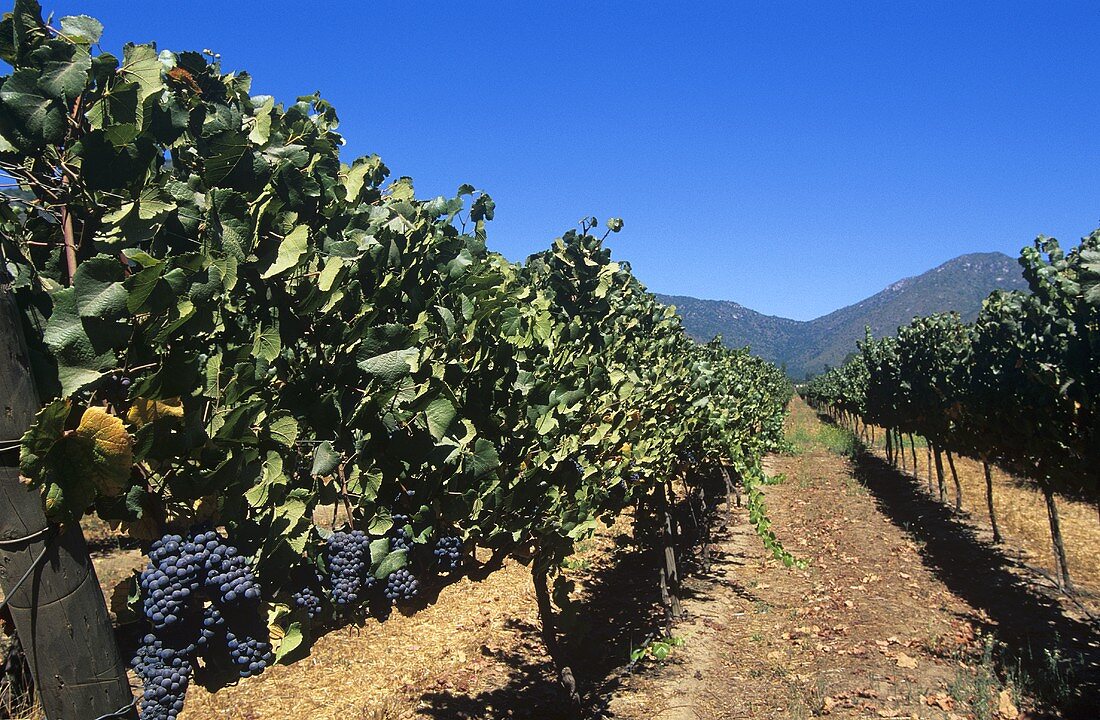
(463, 643)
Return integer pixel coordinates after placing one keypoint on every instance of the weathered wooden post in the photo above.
(58, 608)
(670, 572)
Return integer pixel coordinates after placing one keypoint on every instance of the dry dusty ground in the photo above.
(904, 610)
(895, 615)
(1021, 518)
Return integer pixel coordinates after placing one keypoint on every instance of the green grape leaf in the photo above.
(81, 29)
(381, 523)
(483, 460)
(284, 430)
(440, 413)
(98, 288)
(391, 366)
(42, 436)
(379, 549)
(291, 249)
(266, 343)
(79, 360)
(142, 66)
(393, 562)
(21, 31)
(28, 117)
(325, 460)
(65, 80)
(291, 640)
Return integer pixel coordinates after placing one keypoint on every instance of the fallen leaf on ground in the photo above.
(940, 700)
(1005, 707)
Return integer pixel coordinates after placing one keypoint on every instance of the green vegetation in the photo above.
(828, 437)
(657, 649)
(233, 328)
(1019, 387)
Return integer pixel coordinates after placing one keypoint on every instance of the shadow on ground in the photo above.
(620, 609)
(1060, 655)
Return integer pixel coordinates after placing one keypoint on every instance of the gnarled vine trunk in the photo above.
(938, 453)
(549, 630)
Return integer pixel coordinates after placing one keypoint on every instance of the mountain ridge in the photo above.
(807, 347)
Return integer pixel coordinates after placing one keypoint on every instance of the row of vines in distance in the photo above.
(234, 328)
(1018, 387)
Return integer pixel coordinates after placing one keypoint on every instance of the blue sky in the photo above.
(794, 157)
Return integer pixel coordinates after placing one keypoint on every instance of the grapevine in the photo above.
(253, 329)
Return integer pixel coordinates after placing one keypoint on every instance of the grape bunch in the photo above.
(400, 539)
(171, 581)
(249, 652)
(195, 589)
(401, 586)
(212, 622)
(229, 574)
(165, 674)
(306, 598)
(448, 552)
(347, 557)
(116, 387)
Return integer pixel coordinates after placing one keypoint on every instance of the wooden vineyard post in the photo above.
(928, 449)
(989, 501)
(1064, 581)
(958, 485)
(58, 608)
(670, 573)
(937, 452)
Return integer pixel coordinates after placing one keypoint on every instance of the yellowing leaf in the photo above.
(55, 499)
(144, 411)
(1007, 709)
(103, 449)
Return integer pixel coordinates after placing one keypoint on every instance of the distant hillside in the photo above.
(807, 347)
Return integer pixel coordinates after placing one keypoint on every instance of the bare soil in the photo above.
(905, 610)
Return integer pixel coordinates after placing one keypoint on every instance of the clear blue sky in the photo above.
(794, 157)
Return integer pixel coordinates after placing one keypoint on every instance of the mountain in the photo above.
(807, 347)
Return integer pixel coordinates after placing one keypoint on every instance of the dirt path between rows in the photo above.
(902, 612)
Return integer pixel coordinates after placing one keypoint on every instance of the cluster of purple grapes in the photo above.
(188, 588)
(400, 538)
(401, 586)
(347, 557)
(448, 552)
(165, 673)
(307, 598)
(249, 651)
